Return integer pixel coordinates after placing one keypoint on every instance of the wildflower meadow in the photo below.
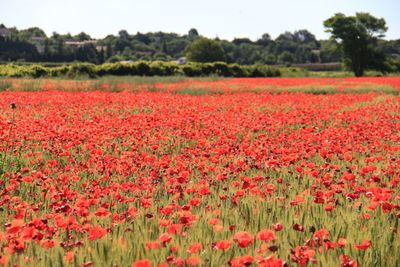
(233, 172)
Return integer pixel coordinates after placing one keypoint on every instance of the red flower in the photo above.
(152, 245)
(269, 262)
(298, 227)
(164, 238)
(342, 242)
(3, 260)
(321, 234)
(241, 261)
(328, 207)
(47, 243)
(97, 232)
(277, 226)
(222, 245)
(195, 202)
(194, 248)
(243, 238)
(364, 245)
(142, 263)
(193, 261)
(102, 212)
(266, 235)
(347, 262)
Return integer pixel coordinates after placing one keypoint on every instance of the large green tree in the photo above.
(205, 50)
(357, 37)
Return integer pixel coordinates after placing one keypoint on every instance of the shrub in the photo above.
(221, 69)
(82, 69)
(37, 71)
(140, 68)
(117, 69)
(237, 70)
(58, 71)
(191, 70)
(143, 68)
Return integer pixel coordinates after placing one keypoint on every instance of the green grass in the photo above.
(160, 84)
(331, 89)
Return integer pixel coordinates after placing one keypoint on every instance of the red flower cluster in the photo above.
(161, 178)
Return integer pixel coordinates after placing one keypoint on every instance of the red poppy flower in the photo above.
(266, 235)
(364, 245)
(243, 238)
(194, 248)
(193, 261)
(142, 263)
(277, 226)
(164, 238)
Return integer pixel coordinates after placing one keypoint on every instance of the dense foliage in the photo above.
(205, 50)
(357, 36)
(140, 68)
(298, 47)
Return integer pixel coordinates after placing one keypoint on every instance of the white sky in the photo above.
(226, 19)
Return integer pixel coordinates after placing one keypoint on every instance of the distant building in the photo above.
(5, 32)
(180, 61)
(80, 43)
(101, 47)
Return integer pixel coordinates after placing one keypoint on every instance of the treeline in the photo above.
(299, 47)
(140, 68)
(34, 45)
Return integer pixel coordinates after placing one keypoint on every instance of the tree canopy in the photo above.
(205, 50)
(357, 37)
(296, 47)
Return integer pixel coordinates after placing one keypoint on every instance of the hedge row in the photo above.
(140, 68)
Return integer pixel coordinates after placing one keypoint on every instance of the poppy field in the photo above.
(240, 172)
